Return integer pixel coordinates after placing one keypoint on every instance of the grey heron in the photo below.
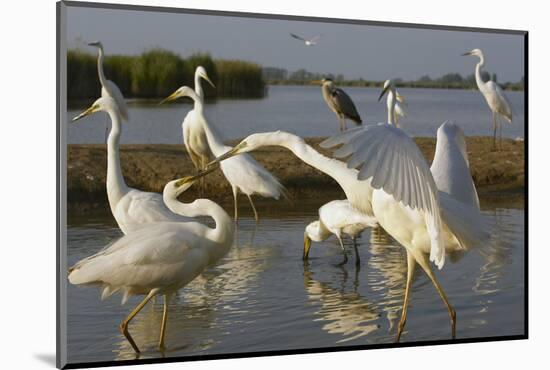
(340, 103)
(308, 42)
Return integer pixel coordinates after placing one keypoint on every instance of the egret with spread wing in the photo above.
(308, 42)
(340, 103)
(243, 172)
(131, 208)
(428, 217)
(161, 258)
(494, 96)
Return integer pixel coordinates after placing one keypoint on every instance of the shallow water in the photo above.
(261, 296)
(301, 110)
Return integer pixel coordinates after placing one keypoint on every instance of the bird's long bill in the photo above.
(87, 112)
(383, 92)
(188, 179)
(230, 153)
(316, 82)
(170, 98)
(210, 82)
(307, 246)
(467, 53)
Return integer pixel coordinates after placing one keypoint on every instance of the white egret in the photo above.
(309, 41)
(161, 258)
(494, 96)
(337, 218)
(395, 103)
(243, 172)
(131, 208)
(340, 103)
(395, 186)
(406, 201)
(108, 87)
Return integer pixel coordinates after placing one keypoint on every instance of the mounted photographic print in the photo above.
(234, 184)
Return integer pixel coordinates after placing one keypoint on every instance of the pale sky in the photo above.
(370, 52)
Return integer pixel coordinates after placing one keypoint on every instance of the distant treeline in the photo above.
(156, 73)
(280, 76)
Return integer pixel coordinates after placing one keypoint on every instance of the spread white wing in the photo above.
(393, 162)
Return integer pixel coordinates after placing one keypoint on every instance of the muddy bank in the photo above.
(149, 167)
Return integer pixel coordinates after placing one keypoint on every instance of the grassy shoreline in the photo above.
(150, 166)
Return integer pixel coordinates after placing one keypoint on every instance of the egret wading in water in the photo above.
(494, 96)
(130, 207)
(308, 42)
(340, 103)
(395, 103)
(243, 172)
(161, 258)
(337, 218)
(428, 217)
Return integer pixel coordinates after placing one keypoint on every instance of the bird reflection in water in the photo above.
(347, 313)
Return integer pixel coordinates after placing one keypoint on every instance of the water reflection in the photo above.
(346, 312)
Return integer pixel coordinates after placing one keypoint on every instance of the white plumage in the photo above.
(406, 201)
(243, 172)
(131, 208)
(494, 96)
(108, 87)
(337, 218)
(159, 258)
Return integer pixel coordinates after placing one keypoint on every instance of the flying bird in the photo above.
(308, 42)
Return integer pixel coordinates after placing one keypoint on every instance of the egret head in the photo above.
(474, 52)
(174, 188)
(316, 232)
(201, 72)
(388, 86)
(180, 93)
(97, 44)
(103, 104)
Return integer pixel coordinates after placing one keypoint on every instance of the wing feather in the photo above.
(382, 149)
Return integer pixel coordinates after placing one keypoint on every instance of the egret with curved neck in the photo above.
(131, 208)
(160, 258)
(243, 172)
(494, 96)
(393, 101)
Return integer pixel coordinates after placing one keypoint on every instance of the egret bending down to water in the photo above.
(395, 103)
(131, 208)
(406, 201)
(243, 172)
(108, 87)
(497, 101)
(340, 103)
(337, 217)
(159, 258)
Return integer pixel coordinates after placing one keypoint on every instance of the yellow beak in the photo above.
(87, 112)
(226, 155)
(188, 179)
(172, 97)
(307, 246)
(210, 82)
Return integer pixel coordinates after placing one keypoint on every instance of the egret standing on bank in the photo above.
(243, 172)
(337, 218)
(131, 208)
(159, 258)
(494, 96)
(340, 103)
